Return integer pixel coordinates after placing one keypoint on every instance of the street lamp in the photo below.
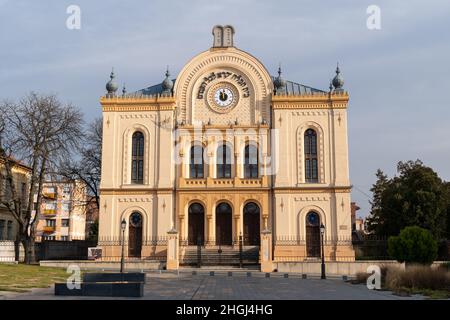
(322, 233)
(123, 226)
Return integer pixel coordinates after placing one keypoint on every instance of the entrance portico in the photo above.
(226, 217)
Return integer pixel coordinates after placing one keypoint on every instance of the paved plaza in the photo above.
(238, 286)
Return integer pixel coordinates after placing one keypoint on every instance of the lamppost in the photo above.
(322, 233)
(123, 226)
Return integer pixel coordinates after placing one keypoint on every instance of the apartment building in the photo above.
(63, 211)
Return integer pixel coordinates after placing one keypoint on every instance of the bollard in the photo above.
(304, 276)
(286, 275)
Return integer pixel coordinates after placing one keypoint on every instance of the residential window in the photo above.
(137, 161)
(251, 162)
(50, 206)
(65, 222)
(311, 163)
(2, 229)
(50, 222)
(64, 238)
(49, 190)
(65, 207)
(66, 190)
(224, 161)
(9, 232)
(196, 163)
(23, 192)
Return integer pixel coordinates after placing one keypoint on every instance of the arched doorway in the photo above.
(196, 224)
(224, 223)
(251, 224)
(135, 235)
(312, 234)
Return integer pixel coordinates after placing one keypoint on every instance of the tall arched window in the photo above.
(223, 161)
(251, 162)
(196, 163)
(137, 158)
(311, 165)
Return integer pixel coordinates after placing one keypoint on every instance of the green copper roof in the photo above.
(291, 88)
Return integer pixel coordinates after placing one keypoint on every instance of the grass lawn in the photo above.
(21, 277)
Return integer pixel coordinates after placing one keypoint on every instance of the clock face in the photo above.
(223, 97)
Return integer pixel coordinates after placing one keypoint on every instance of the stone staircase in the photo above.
(219, 256)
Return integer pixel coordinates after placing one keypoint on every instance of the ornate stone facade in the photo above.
(227, 138)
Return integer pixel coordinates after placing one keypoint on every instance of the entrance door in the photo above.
(135, 235)
(224, 224)
(196, 224)
(312, 235)
(251, 224)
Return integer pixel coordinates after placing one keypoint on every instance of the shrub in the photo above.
(413, 245)
(417, 277)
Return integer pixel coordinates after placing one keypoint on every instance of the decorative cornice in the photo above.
(312, 189)
(311, 101)
(136, 191)
(141, 103)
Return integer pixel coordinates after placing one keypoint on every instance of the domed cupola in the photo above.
(279, 83)
(111, 85)
(167, 84)
(338, 80)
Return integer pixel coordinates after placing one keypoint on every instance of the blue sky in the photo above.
(398, 77)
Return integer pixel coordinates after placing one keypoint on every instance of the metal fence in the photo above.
(211, 251)
(238, 251)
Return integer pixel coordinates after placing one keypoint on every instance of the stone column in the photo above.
(172, 250)
(237, 227)
(182, 165)
(210, 238)
(266, 251)
(237, 165)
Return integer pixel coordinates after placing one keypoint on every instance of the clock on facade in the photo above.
(222, 97)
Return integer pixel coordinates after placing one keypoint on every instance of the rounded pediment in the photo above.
(222, 85)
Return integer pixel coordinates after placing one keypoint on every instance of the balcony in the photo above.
(212, 183)
(49, 229)
(49, 195)
(49, 212)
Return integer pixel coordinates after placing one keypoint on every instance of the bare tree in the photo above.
(41, 131)
(88, 167)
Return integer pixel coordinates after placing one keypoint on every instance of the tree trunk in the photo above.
(29, 246)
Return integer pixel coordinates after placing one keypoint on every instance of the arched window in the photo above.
(223, 161)
(311, 166)
(196, 164)
(137, 158)
(251, 162)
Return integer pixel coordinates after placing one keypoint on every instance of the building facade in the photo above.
(21, 177)
(63, 211)
(225, 151)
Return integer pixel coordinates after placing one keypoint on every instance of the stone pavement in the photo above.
(203, 286)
